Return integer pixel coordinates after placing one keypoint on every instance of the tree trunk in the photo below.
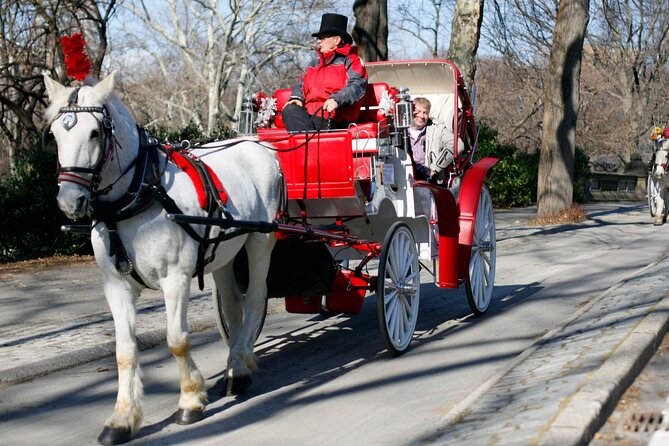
(465, 34)
(371, 29)
(561, 100)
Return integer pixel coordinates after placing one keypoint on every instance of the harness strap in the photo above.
(171, 207)
(119, 256)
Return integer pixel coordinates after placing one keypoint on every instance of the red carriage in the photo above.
(354, 219)
(352, 199)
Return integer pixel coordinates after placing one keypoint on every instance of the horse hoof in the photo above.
(237, 386)
(111, 435)
(188, 416)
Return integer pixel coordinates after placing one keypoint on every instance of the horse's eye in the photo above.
(95, 134)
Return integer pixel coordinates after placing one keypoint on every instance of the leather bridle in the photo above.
(86, 176)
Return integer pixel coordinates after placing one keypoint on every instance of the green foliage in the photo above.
(30, 219)
(513, 180)
(582, 173)
(192, 133)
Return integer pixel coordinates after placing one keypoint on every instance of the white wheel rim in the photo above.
(401, 289)
(484, 250)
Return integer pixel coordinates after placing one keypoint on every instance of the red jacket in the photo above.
(342, 77)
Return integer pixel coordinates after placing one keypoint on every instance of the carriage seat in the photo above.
(370, 113)
(443, 109)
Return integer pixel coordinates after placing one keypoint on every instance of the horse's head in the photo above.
(81, 126)
(660, 162)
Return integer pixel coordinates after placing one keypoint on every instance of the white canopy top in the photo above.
(423, 77)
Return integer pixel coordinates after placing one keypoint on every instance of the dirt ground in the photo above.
(37, 265)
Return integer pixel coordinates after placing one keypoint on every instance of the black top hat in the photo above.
(334, 24)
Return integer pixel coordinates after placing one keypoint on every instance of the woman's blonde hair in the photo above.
(423, 102)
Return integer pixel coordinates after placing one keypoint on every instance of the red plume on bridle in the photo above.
(77, 63)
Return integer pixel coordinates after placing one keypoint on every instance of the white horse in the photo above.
(659, 171)
(98, 145)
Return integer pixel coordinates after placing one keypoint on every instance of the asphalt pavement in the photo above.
(565, 386)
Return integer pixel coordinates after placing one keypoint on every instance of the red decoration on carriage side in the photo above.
(257, 100)
(392, 92)
(77, 63)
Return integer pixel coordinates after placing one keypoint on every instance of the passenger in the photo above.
(431, 143)
(332, 85)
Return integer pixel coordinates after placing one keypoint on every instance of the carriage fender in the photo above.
(468, 201)
(447, 275)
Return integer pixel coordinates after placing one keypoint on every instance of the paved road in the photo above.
(577, 312)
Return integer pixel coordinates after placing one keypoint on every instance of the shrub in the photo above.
(513, 180)
(582, 173)
(191, 132)
(31, 220)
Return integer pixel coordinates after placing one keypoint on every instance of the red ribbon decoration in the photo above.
(77, 63)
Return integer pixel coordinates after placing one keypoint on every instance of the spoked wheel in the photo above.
(652, 191)
(221, 321)
(398, 288)
(481, 278)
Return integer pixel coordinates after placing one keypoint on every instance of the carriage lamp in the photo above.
(403, 109)
(245, 124)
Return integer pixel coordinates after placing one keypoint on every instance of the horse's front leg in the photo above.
(242, 361)
(659, 210)
(127, 415)
(176, 290)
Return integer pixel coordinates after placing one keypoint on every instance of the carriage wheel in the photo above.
(221, 321)
(398, 288)
(652, 191)
(481, 278)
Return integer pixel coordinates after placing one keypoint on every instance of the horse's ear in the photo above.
(105, 87)
(53, 88)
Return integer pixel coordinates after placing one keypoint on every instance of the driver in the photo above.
(333, 83)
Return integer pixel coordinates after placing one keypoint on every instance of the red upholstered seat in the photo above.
(319, 171)
(281, 97)
(370, 113)
(325, 172)
(369, 108)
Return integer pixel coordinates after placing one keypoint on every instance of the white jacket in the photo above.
(439, 146)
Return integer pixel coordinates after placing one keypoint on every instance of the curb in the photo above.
(145, 340)
(585, 408)
(591, 406)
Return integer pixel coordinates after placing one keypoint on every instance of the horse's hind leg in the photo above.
(230, 301)
(127, 415)
(176, 290)
(242, 361)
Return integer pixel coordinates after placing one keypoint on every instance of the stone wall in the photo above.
(617, 186)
